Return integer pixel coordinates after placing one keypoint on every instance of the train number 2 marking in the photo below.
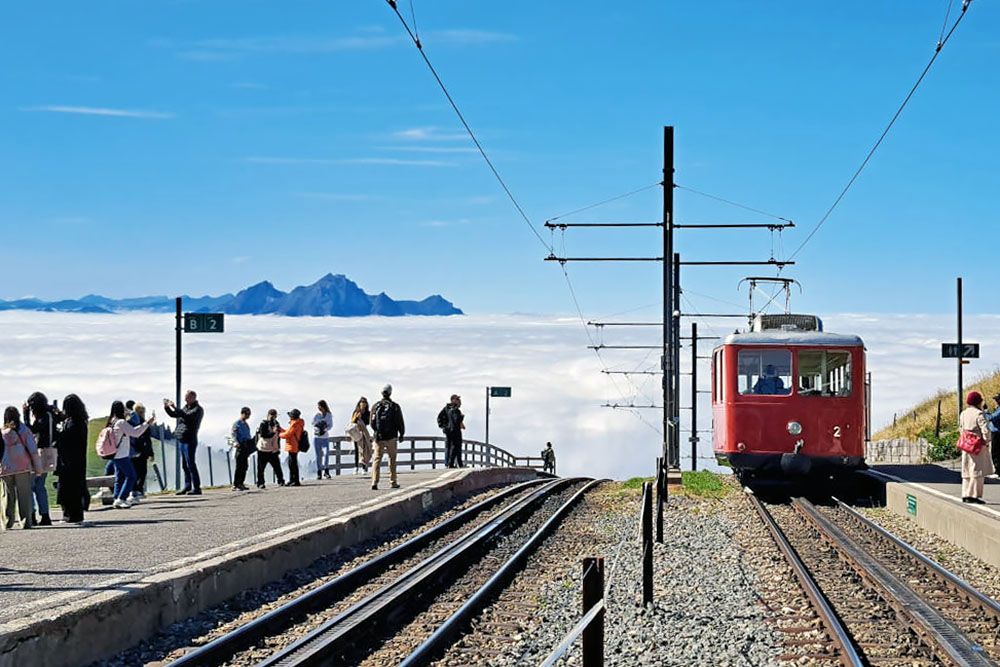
(836, 431)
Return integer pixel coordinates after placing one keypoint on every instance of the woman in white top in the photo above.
(322, 428)
(975, 466)
(125, 476)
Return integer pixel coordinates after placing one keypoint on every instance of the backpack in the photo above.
(106, 447)
(304, 442)
(443, 418)
(384, 421)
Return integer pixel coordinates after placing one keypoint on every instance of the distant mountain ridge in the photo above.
(332, 295)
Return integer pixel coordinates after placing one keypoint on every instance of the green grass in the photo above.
(636, 482)
(704, 484)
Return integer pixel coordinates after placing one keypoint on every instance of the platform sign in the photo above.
(954, 350)
(911, 504)
(500, 392)
(204, 323)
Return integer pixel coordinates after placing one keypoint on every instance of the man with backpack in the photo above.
(452, 422)
(387, 423)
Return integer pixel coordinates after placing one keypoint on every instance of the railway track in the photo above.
(409, 603)
(875, 599)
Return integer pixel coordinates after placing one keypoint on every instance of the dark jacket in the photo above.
(391, 426)
(72, 464)
(188, 422)
(43, 428)
(455, 419)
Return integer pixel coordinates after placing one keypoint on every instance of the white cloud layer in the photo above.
(101, 111)
(280, 362)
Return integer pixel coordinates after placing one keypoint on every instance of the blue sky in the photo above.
(199, 146)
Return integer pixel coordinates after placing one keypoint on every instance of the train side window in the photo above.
(765, 372)
(823, 373)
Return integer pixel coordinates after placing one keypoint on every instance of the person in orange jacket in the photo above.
(292, 435)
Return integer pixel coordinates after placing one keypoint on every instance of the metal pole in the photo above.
(593, 593)
(675, 453)
(668, 288)
(694, 396)
(487, 416)
(960, 401)
(661, 487)
(647, 543)
(179, 328)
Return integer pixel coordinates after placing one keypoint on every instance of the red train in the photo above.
(789, 399)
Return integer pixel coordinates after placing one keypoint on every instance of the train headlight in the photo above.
(794, 428)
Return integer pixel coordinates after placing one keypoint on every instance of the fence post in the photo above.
(647, 543)
(937, 424)
(211, 479)
(659, 500)
(229, 464)
(177, 465)
(336, 458)
(434, 453)
(593, 593)
(163, 460)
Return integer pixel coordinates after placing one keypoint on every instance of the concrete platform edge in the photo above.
(971, 528)
(107, 622)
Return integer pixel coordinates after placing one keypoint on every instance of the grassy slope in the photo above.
(922, 418)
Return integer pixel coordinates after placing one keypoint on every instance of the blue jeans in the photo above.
(192, 481)
(124, 478)
(40, 494)
(322, 449)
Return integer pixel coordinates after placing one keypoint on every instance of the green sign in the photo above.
(911, 504)
(500, 392)
(204, 322)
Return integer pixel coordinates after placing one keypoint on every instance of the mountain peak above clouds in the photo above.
(333, 295)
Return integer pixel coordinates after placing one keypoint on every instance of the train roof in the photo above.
(778, 337)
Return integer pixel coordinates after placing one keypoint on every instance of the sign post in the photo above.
(192, 323)
(496, 392)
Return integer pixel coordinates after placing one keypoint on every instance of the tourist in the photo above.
(974, 428)
(292, 435)
(358, 431)
(72, 468)
(40, 418)
(549, 459)
(452, 422)
(188, 422)
(387, 423)
(243, 444)
(268, 446)
(994, 423)
(322, 428)
(142, 449)
(121, 434)
(19, 463)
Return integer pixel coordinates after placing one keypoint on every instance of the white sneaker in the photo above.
(134, 500)
(120, 504)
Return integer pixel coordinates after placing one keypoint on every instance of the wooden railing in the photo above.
(429, 451)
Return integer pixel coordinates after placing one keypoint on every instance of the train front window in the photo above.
(765, 372)
(823, 373)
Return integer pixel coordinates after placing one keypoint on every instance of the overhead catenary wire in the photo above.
(605, 201)
(732, 203)
(468, 128)
(892, 121)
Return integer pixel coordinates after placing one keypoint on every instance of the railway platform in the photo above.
(69, 595)
(931, 495)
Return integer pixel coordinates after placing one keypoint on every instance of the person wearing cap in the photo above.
(973, 423)
(268, 446)
(243, 444)
(452, 422)
(291, 436)
(387, 423)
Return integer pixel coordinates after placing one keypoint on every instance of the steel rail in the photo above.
(221, 649)
(445, 634)
(963, 587)
(846, 649)
(938, 630)
(347, 631)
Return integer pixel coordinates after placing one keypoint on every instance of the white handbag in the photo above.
(353, 431)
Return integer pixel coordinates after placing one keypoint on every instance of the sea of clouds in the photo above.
(558, 389)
